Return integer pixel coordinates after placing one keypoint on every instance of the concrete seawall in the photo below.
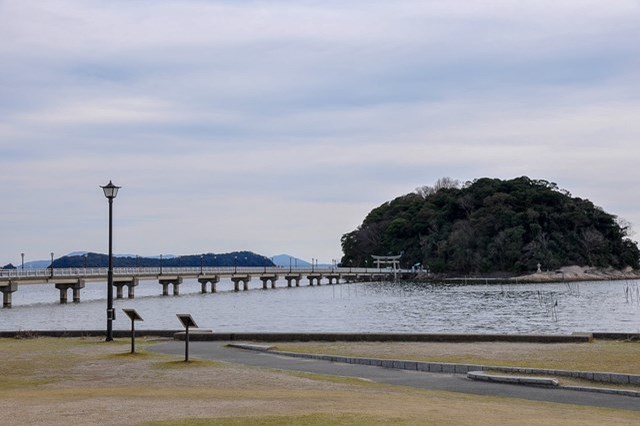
(385, 337)
(200, 335)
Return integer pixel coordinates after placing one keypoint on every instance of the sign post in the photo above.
(133, 316)
(187, 322)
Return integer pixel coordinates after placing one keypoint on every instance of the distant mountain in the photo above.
(285, 260)
(97, 260)
(37, 264)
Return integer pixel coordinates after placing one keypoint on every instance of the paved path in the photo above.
(436, 381)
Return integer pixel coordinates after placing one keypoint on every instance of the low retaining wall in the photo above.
(85, 333)
(385, 337)
(451, 368)
(196, 335)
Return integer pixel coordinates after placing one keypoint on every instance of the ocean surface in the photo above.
(611, 306)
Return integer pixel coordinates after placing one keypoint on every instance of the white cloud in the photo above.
(277, 126)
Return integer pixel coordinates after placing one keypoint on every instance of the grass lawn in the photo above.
(79, 381)
(604, 356)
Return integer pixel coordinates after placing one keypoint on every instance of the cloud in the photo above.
(276, 126)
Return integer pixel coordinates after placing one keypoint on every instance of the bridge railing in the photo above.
(184, 270)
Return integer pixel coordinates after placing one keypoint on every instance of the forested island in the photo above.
(91, 260)
(490, 226)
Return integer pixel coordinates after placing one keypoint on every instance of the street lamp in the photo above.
(110, 191)
(235, 264)
(22, 254)
(51, 264)
(201, 258)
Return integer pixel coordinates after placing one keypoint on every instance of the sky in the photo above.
(276, 126)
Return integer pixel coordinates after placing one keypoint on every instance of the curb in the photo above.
(250, 347)
(476, 369)
(518, 380)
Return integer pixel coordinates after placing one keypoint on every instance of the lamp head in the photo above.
(110, 190)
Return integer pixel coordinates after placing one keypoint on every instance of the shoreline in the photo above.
(562, 275)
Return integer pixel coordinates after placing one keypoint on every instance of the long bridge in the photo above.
(65, 279)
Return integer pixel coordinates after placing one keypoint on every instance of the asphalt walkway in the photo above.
(436, 381)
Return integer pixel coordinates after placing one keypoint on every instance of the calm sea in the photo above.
(364, 307)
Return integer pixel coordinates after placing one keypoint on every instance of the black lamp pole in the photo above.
(110, 191)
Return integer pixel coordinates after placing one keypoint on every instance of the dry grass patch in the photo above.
(99, 383)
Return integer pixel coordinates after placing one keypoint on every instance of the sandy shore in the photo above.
(581, 273)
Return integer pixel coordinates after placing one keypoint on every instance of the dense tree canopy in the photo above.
(492, 225)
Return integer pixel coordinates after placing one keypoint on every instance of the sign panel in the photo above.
(132, 314)
(186, 320)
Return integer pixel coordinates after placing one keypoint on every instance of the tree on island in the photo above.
(492, 225)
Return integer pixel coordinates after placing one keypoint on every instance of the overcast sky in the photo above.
(276, 126)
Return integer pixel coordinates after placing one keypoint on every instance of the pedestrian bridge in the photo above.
(65, 279)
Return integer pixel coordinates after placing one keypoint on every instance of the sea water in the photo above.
(610, 306)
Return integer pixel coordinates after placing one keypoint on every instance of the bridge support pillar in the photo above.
(293, 277)
(166, 281)
(349, 278)
(314, 278)
(244, 279)
(64, 287)
(268, 279)
(335, 277)
(204, 280)
(7, 293)
(131, 283)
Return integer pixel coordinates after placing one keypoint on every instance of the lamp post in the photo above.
(235, 264)
(161, 264)
(51, 264)
(22, 254)
(110, 191)
(201, 259)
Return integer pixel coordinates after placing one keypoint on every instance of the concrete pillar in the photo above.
(333, 277)
(244, 279)
(314, 278)
(293, 277)
(64, 288)
(118, 287)
(132, 285)
(204, 280)
(174, 281)
(7, 293)
(6, 299)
